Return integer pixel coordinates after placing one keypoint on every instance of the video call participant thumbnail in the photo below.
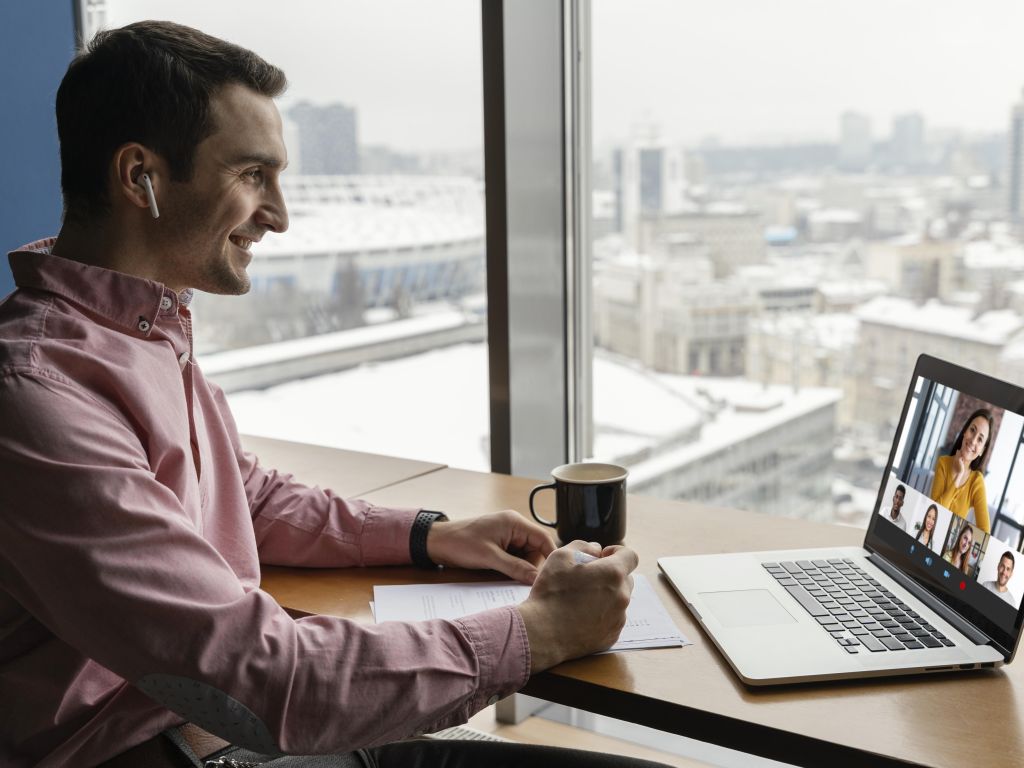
(893, 513)
(959, 484)
(959, 554)
(926, 534)
(1003, 573)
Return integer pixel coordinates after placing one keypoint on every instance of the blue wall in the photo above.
(37, 41)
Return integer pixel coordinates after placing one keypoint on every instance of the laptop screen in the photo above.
(950, 507)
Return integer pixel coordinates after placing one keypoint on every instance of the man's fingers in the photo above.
(535, 558)
(538, 541)
(528, 536)
(622, 557)
(590, 547)
(627, 556)
(516, 568)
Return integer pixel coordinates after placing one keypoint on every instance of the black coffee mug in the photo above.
(590, 502)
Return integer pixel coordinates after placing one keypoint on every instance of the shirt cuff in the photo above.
(499, 642)
(385, 536)
(502, 649)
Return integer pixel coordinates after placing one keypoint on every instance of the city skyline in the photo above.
(417, 83)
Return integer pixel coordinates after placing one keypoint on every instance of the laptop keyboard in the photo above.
(859, 613)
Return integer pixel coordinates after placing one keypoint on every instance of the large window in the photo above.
(366, 324)
(791, 202)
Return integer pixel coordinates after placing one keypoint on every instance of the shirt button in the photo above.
(183, 358)
(492, 701)
(166, 303)
(143, 324)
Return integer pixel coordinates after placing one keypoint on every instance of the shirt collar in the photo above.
(124, 300)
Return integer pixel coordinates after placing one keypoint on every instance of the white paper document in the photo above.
(648, 624)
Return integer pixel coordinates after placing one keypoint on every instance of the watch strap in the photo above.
(418, 537)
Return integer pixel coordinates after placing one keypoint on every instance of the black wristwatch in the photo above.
(418, 537)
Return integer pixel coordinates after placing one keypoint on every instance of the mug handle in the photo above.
(533, 512)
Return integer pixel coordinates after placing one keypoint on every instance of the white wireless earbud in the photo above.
(144, 178)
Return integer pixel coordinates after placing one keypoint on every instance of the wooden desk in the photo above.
(347, 473)
(972, 719)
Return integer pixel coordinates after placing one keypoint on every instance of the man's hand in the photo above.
(577, 609)
(502, 541)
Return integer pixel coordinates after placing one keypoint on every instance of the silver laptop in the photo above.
(938, 582)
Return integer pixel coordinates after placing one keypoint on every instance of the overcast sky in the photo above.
(740, 70)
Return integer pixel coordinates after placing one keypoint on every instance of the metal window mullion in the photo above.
(528, 223)
(495, 201)
(579, 271)
(535, 237)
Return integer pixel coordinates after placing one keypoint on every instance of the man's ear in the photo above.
(130, 162)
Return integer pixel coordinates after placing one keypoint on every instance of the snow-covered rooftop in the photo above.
(268, 354)
(357, 214)
(750, 409)
(634, 409)
(851, 289)
(775, 276)
(829, 331)
(434, 406)
(995, 327)
(835, 216)
(907, 239)
(989, 254)
(727, 208)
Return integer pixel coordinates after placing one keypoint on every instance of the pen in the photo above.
(582, 557)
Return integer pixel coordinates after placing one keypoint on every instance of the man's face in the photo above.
(1004, 571)
(232, 199)
(897, 502)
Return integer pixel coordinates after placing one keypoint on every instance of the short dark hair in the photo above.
(900, 489)
(149, 82)
(1009, 556)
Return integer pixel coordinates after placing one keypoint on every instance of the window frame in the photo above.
(537, 158)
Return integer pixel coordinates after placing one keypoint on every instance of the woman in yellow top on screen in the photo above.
(958, 483)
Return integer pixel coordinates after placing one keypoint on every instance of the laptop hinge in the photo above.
(974, 634)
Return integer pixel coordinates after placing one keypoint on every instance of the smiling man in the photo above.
(213, 205)
(133, 632)
(1004, 572)
(894, 512)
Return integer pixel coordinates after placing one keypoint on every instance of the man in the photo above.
(1003, 573)
(893, 513)
(132, 523)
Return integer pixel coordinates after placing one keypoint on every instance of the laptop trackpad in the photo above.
(746, 608)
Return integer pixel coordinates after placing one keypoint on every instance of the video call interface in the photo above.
(959, 465)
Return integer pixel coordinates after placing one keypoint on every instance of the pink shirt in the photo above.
(132, 528)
